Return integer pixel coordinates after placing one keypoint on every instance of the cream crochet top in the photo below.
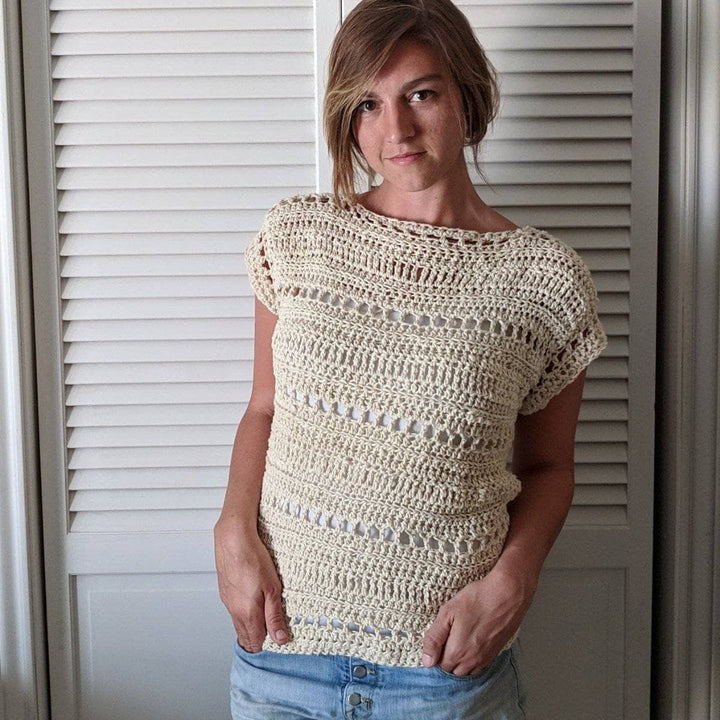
(402, 354)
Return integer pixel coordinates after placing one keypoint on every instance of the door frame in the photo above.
(23, 659)
(686, 627)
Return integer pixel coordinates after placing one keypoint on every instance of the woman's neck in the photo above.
(458, 207)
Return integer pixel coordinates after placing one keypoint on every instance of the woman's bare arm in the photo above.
(474, 625)
(544, 461)
(247, 463)
(247, 579)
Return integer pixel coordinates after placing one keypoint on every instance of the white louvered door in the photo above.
(575, 152)
(175, 126)
(172, 127)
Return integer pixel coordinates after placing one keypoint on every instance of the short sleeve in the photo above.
(259, 265)
(578, 339)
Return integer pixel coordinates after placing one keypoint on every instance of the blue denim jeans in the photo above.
(268, 685)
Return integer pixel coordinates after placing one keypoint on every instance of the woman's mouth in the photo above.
(406, 158)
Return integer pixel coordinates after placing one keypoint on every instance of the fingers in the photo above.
(275, 617)
(448, 642)
(250, 626)
(265, 616)
(466, 655)
(251, 590)
(435, 638)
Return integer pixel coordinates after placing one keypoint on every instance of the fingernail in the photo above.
(426, 660)
(281, 636)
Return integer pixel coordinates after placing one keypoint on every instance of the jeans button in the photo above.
(360, 671)
(355, 699)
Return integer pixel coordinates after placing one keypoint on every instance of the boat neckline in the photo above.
(444, 229)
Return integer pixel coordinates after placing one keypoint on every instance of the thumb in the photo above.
(435, 638)
(275, 619)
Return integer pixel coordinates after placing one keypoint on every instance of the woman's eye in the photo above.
(420, 95)
(366, 106)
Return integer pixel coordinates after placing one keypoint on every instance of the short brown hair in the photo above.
(361, 48)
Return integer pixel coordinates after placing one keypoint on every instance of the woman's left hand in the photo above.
(473, 626)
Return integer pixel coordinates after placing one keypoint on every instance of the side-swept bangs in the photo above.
(363, 45)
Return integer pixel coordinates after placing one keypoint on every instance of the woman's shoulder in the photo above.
(553, 266)
(301, 204)
(548, 248)
(296, 222)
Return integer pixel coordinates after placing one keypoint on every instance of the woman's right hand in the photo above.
(249, 586)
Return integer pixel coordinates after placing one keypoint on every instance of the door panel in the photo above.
(152, 646)
(573, 644)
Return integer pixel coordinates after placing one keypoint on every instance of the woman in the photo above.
(374, 552)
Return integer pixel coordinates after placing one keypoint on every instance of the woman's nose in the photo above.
(399, 123)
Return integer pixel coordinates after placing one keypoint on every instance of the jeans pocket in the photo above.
(516, 657)
(476, 677)
(242, 651)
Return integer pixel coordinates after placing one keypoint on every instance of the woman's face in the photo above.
(409, 126)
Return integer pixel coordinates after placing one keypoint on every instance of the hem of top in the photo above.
(299, 647)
